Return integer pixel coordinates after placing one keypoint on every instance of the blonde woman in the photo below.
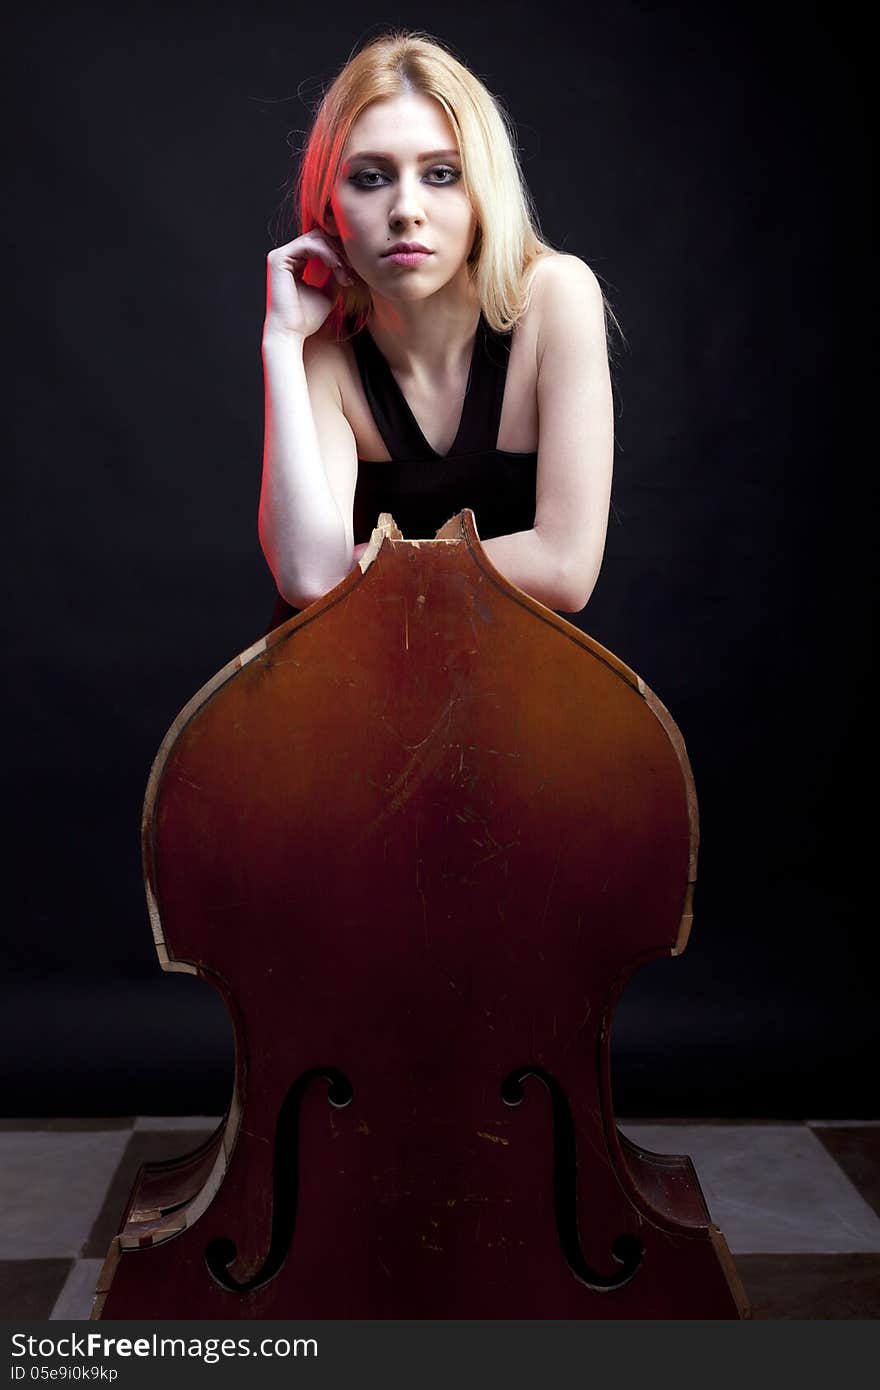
(423, 348)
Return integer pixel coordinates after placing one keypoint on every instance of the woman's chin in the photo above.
(409, 288)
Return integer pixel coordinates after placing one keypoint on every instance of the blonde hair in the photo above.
(507, 243)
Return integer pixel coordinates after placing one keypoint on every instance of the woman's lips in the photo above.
(408, 257)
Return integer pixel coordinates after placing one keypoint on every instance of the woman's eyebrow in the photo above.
(389, 158)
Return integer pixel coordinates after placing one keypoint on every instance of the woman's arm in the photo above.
(558, 561)
(309, 472)
(309, 457)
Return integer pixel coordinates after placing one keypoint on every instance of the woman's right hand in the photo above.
(293, 308)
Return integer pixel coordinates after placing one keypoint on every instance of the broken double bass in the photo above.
(419, 837)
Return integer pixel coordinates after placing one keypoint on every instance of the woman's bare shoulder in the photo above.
(562, 285)
(559, 273)
(560, 263)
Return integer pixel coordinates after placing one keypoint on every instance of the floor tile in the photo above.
(29, 1288)
(144, 1146)
(63, 1123)
(77, 1295)
(52, 1187)
(843, 1124)
(811, 1286)
(857, 1149)
(773, 1189)
(702, 1120)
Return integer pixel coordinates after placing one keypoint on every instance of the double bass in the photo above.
(419, 838)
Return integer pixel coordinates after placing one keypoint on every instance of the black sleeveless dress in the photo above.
(421, 488)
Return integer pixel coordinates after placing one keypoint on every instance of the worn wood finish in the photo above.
(418, 838)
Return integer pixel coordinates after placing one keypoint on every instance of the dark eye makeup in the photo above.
(358, 178)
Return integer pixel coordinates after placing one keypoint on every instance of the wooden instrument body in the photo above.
(419, 837)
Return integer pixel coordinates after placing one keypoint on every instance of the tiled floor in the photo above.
(799, 1205)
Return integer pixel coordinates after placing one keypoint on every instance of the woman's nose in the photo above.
(407, 205)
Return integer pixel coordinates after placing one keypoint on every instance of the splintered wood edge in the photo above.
(386, 527)
(452, 530)
(175, 1222)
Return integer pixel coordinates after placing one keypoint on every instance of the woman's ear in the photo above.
(330, 221)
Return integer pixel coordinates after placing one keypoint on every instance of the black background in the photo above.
(710, 164)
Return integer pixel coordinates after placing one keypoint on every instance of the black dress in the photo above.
(421, 488)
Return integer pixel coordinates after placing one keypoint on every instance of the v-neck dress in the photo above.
(421, 488)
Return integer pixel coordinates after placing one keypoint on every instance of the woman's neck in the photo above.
(425, 339)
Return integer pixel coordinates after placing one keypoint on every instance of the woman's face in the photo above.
(400, 180)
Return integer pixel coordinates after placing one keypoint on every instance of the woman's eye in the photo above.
(366, 177)
(360, 179)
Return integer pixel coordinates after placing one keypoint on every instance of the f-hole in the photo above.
(626, 1250)
(222, 1251)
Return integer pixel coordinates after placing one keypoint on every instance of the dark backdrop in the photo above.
(710, 164)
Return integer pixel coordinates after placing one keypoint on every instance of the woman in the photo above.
(470, 372)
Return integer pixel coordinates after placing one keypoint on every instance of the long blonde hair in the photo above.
(507, 243)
